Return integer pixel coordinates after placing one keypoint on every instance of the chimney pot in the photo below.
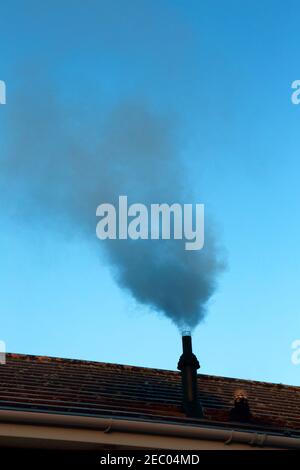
(241, 410)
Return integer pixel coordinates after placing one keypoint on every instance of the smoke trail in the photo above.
(63, 172)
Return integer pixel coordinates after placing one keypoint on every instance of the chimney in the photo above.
(188, 365)
(241, 410)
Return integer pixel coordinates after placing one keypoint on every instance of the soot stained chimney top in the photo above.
(241, 410)
(188, 365)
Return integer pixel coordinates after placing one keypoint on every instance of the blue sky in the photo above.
(224, 71)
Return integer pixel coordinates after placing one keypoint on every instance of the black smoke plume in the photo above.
(58, 166)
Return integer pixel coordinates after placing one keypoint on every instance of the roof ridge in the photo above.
(42, 358)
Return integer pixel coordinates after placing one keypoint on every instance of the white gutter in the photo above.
(108, 425)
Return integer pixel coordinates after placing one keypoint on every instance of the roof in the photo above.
(54, 385)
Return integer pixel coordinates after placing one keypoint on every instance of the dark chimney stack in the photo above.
(188, 365)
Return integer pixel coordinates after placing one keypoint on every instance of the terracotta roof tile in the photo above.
(81, 387)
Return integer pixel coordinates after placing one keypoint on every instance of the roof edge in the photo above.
(227, 436)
